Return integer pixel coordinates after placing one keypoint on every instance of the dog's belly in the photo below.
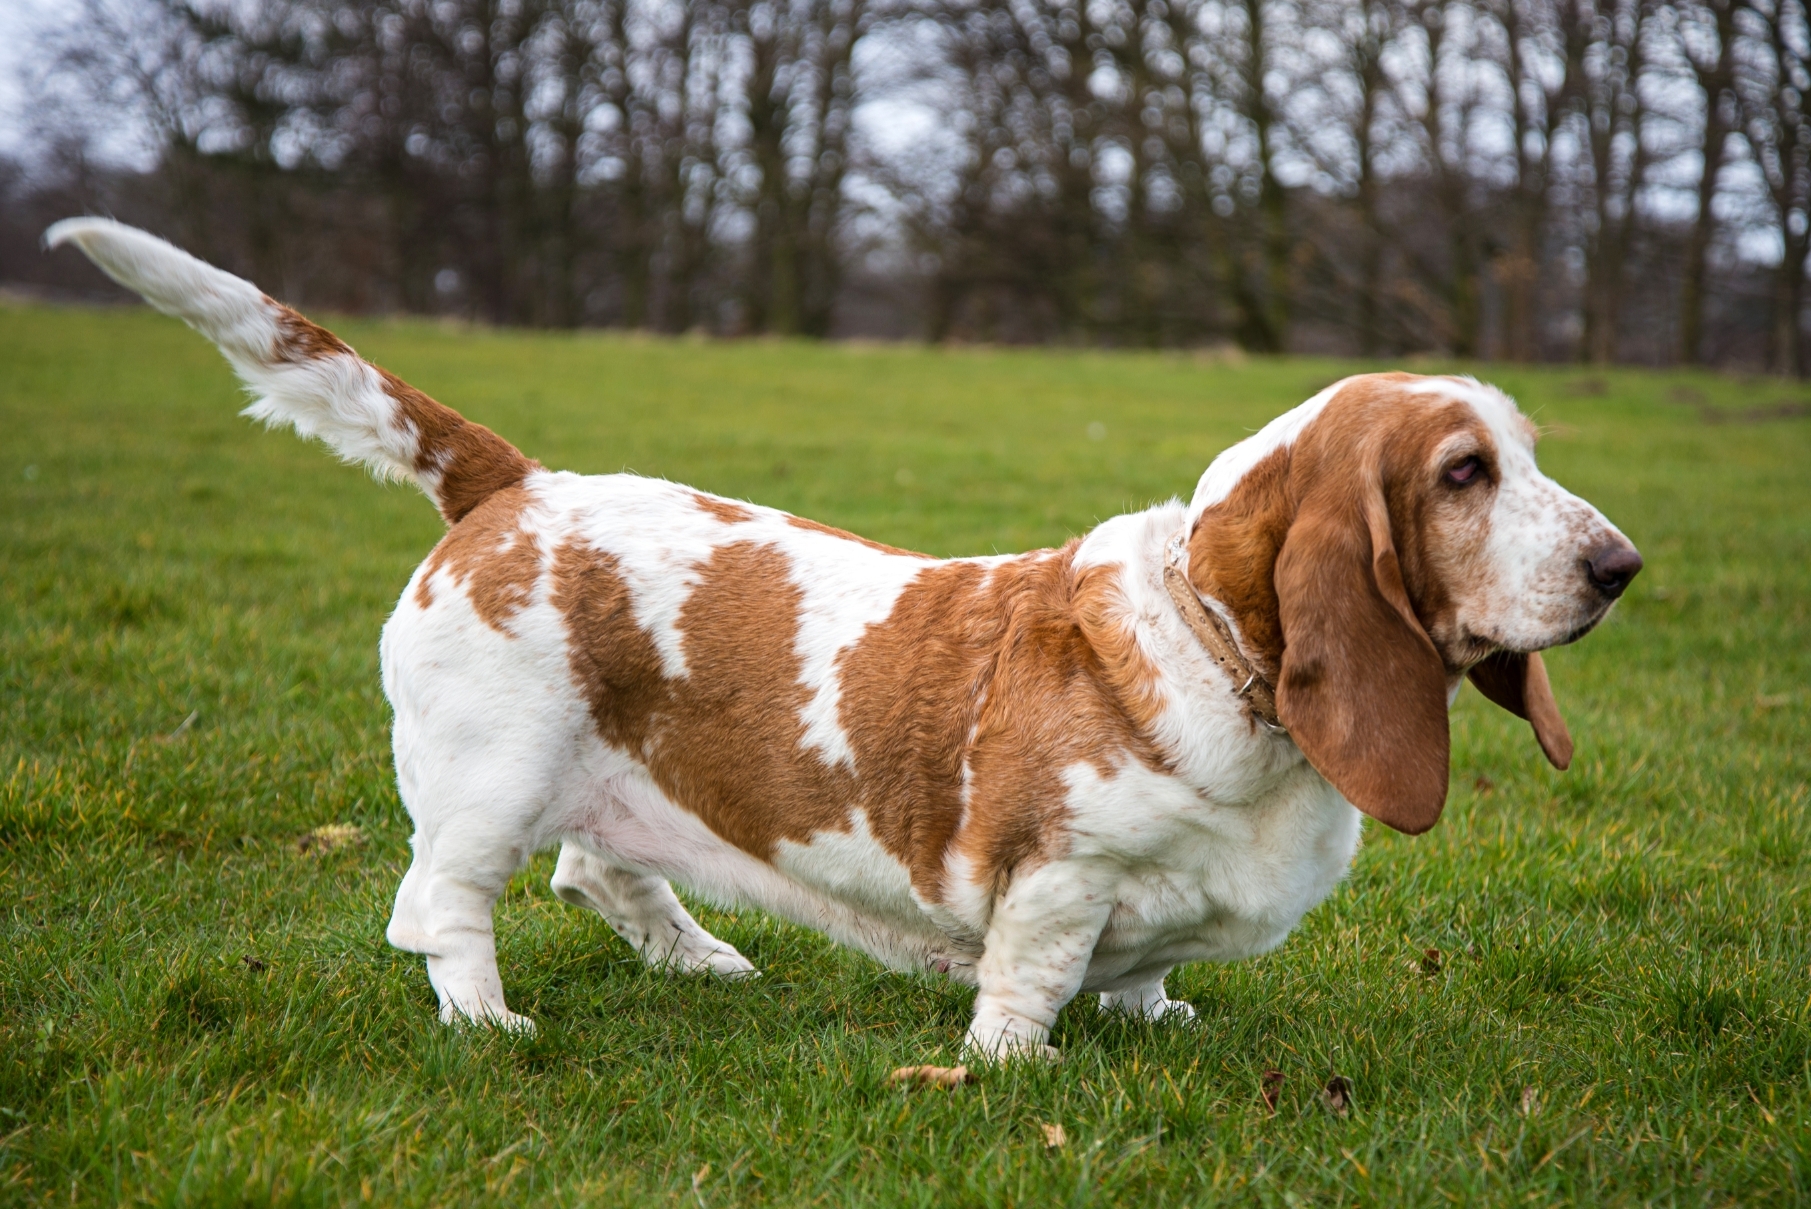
(1231, 885)
(843, 884)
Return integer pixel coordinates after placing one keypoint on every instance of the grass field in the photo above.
(194, 1012)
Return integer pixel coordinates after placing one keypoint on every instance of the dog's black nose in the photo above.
(1612, 567)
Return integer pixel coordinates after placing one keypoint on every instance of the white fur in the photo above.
(1225, 471)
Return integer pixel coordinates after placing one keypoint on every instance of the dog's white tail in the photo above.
(304, 375)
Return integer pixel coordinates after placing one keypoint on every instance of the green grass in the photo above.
(192, 1011)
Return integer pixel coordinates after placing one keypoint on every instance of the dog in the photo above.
(1041, 775)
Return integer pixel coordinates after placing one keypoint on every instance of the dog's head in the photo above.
(1381, 542)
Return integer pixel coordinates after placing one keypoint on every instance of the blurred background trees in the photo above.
(1585, 180)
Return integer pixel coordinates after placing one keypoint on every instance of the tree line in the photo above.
(1587, 180)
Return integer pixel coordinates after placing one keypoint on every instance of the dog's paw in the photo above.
(1007, 1047)
(1169, 1011)
(721, 961)
(487, 1017)
(727, 963)
(1138, 1007)
(1175, 1011)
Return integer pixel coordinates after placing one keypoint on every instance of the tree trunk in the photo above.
(1266, 305)
(1716, 80)
(1789, 306)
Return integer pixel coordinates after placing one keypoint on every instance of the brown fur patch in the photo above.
(1106, 621)
(799, 522)
(300, 339)
(471, 461)
(724, 740)
(727, 511)
(1047, 707)
(1233, 551)
(980, 677)
(983, 672)
(492, 555)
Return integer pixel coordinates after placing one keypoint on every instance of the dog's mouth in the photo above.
(1581, 631)
(1479, 648)
(1591, 623)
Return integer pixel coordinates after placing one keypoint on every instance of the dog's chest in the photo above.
(1222, 882)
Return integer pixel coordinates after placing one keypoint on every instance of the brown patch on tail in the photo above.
(462, 463)
(466, 463)
(301, 339)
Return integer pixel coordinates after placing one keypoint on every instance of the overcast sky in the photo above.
(19, 21)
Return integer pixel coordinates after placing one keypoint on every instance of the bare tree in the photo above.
(1706, 37)
(1605, 42)
(1775, 84)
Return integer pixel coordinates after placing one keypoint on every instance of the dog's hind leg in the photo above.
(645, 912)
(443, 911)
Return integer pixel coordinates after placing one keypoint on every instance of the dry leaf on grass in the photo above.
(1531, 1101)
(931, 1076)
(1431, 962)
(1271, 1087)
(1337, 1095)
(254, 964)
(330, 838)
(1054, 1137)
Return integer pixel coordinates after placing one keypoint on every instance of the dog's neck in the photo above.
(1250, 685)
(1232, 554)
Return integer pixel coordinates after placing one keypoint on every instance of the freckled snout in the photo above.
(1611, 567)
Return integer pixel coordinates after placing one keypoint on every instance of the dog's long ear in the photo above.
(1362, 690)
(1519, 684)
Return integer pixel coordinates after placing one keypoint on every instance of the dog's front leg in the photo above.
(1147, 1002)
(1039, 944)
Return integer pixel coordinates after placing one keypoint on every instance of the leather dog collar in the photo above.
(1215, 637)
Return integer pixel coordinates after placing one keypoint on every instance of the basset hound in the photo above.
(1043, 774)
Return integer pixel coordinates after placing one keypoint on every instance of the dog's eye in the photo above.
(1464, 472)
